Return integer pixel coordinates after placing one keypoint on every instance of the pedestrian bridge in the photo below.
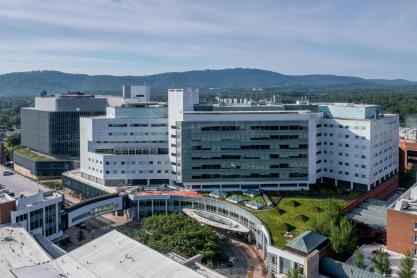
(93, 207)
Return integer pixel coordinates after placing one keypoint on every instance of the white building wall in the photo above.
(179, 101)
(116, 134)
(349, 149)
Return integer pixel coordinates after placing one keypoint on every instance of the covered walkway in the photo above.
(215, 220)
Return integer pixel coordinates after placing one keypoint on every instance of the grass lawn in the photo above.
(292, 214)
(34, 155)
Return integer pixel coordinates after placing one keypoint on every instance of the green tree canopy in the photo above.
(406, 266)
(177, 233)
(381, 263)
(359, 260)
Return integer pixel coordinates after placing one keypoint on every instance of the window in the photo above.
(284, 265)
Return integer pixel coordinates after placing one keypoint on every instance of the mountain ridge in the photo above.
(30, 83)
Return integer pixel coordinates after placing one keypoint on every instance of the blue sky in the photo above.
(371, 39)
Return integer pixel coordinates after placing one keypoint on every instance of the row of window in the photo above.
(128, 162)
(138, 171)
(137, 133)
(250, 157)
(136, 125)
(345, 173)
(343, 126)
(131, 142)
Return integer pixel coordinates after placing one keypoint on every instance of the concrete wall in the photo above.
(312, 264)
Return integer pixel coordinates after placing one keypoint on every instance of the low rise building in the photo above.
(36, 166)
(7, 204)
(303, 253)
(402, 223)
(18, 249)
(115, 255)
(39, 214)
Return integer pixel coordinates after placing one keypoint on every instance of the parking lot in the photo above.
(18, 184)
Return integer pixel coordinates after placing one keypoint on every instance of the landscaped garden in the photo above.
(292, 214)
(176, 233)
(294, 211)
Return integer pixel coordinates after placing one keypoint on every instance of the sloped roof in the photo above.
(255, 204)
(371, 212)
(307, 242)
(251, 192)
(218, 194)
(235, 198)
(338, 269)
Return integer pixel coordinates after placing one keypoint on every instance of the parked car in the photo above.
(231, 261)
(7, 173)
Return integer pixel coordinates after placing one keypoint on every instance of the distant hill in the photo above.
(31, 83)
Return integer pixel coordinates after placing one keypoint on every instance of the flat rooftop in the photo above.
(19, 249)
(394, 258)
(407, 202)
(111, 255)
(4, 198)
(36, 198)
(169, 193)
(28, 153)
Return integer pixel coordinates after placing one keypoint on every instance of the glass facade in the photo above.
(242, 151)
(53, 133)
(41, 168)
(81, 188)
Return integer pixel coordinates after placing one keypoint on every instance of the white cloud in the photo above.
(370, 39)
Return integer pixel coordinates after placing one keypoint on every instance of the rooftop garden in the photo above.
(26, 152)
(294, 211)
(292, 214)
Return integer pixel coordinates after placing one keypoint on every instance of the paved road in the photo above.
(18, 183)
(240, 269)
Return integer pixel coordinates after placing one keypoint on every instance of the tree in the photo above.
(293, 272)
(330, 216)
(406, 266)
(381, 263)
(343, 236)
(359, 260)
(177, 233)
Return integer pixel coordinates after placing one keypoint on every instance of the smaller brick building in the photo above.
(7, 204)
(402, 223)
(408, 154)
